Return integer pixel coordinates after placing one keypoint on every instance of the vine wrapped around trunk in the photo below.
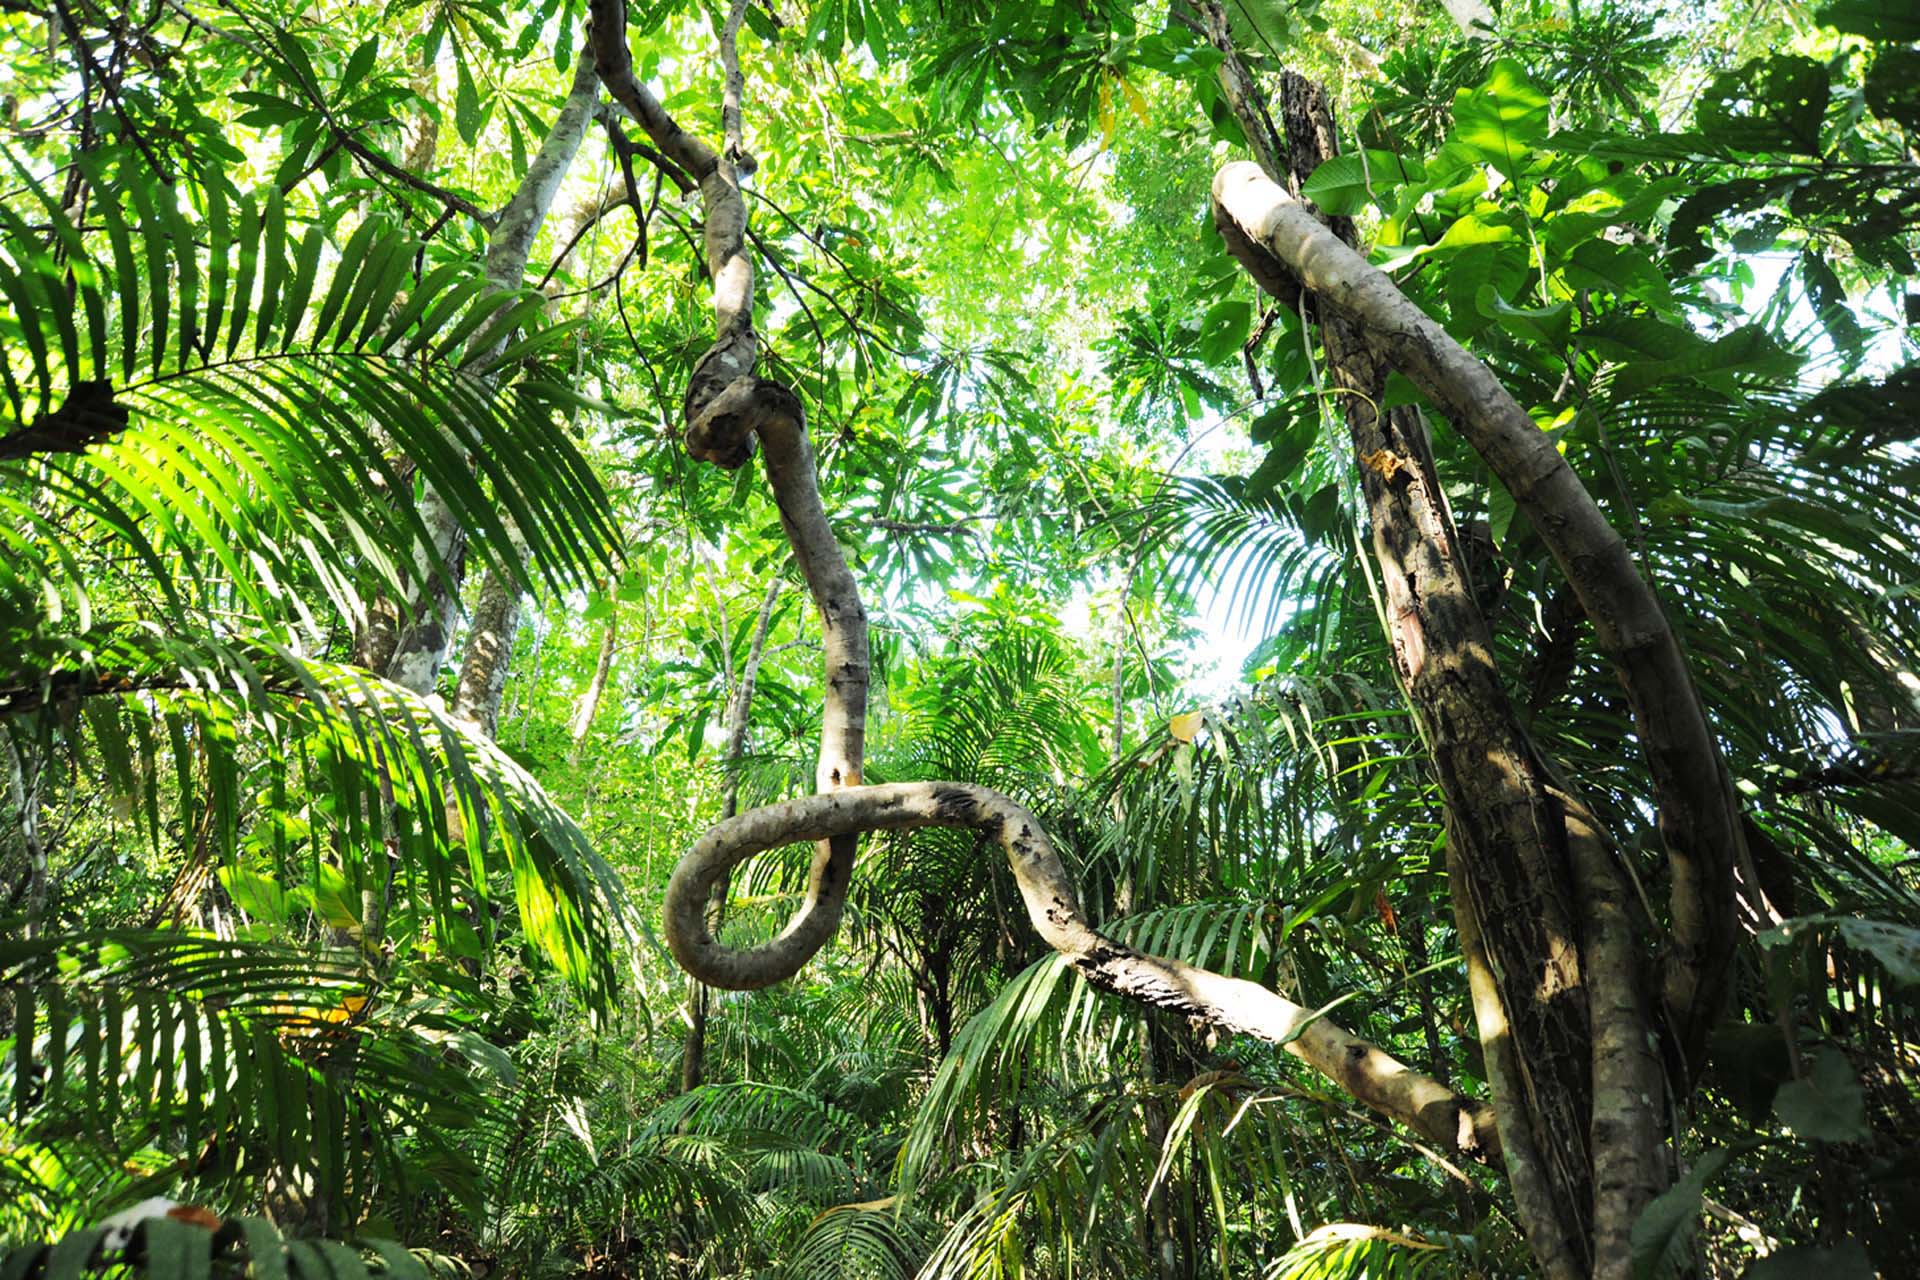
(1699, 814)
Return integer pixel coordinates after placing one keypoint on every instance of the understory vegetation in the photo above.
(821, 638)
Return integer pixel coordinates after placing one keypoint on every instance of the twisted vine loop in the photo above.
(730, 411)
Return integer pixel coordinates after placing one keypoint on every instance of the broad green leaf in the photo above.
(1487, 225)
(1496, 265)
(69, 1257)
(1624, 270)
(1847, 1261)
(361, 62)
(334, 897)
(1895, 946)
(1224, 329)
(1748, 350)
(1890, 20)
(1774, 102)
(1829, 299)
(1663, 1234)
(1503, 119)
(1500, 512)
(466, 99)
(1289, 432)
(1893, 85)
(1346, 184)
(1827, 1104)
(178, 1250)
(260, 896)
(1551, 327)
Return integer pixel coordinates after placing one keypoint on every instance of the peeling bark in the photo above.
(1553, 1247)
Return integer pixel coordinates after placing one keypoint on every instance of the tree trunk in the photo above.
(23, 793)
(1505, 826)
(483, 671)
(420, 648)
(388, 621)
(1577, 1090)
(589, 704)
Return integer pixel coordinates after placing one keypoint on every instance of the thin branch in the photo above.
(374, 160)
(91, 70)
(909, 527)
(731, 127)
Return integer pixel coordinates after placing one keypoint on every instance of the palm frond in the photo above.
(858, 1242)
(223, 422)
(381, 775)
(168, 1248)
(223, 1054)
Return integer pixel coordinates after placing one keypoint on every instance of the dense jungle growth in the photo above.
(820, 638)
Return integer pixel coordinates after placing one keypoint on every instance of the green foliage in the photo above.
(276, 925)
(164, 1249)
(244, 410)
(1663, 1235)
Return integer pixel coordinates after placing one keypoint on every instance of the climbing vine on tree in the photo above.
(1355, 716)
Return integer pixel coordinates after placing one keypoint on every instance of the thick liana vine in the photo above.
(729, 412)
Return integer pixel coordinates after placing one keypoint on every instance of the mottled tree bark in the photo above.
(483, 670)
(419, 647)
(23, 794)
(379, 635)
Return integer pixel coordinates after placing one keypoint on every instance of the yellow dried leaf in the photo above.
(1186, 727)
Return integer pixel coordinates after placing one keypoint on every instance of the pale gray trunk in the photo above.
(483, 671)
(419, 642)
(589, 704)
(422, 137)
(418, 625)
(1473, 17)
